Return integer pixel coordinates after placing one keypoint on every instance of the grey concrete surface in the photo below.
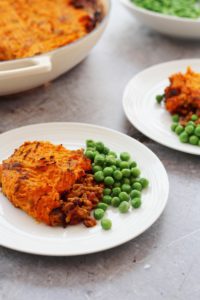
(164, 262)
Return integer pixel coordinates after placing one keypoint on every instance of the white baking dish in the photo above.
(169, 25)
(23, 74)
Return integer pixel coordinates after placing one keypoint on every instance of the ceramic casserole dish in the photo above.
(22, 74)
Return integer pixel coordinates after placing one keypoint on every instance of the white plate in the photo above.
(169, 25)
(142, 109)
(20, 232)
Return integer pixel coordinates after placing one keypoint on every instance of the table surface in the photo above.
(164, 262)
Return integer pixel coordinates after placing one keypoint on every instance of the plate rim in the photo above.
(116, 244)
(139, 126)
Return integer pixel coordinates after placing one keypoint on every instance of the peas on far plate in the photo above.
(194, 140)
(179, 129)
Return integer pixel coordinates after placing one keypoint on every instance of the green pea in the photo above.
(106, 150)
(133, 180)
(137, 186)
(191, 123)
(90, 143)
(99, 159)
(116, 191)
(96, 168)
(107, 199)
(194, 117)
(102, 205)
(179, 129)
(135, 194)
(126, 188)
(123, 196)
(132, 164)
(135, 172)
(118, 163)
(124, 207)
(125, 156)
(126, 172)
(159, 98)
(189, 129)
(108, 171)
(99, 146)
(114, 168)
(115, 201)
(112, 153)
(117, 184)
(107, 191)
(110, 160)
(124, 165)
(90, 154)
(184, 137)
(197, 131)
(98, 176)
(98, 213)
(90, 149)
(108, 180)
(117, 175)
(96, 153)
(173, 126)
(136, 202)
(106, 224)
(194, 140)
(126, 181)
(175, 118)
(144, 182)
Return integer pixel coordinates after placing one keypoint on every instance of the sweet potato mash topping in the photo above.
(30, 27)
(51, 183)
(182, 96)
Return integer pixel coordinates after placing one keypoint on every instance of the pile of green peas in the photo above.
(187, 134)
(121, 177)
(180, 8)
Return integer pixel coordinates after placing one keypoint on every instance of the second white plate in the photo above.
(145, 114)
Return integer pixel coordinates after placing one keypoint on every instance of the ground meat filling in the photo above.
(76, 205)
